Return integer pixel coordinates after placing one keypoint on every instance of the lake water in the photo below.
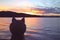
(37, 28)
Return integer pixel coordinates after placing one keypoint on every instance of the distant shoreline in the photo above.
(14, 14)
(30, 16)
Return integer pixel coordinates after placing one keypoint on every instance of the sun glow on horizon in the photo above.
(3, 8)
(20, 7)
(27, 10)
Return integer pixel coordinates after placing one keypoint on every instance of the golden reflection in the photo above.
(4, 23)
(32, 30)
(30, 22)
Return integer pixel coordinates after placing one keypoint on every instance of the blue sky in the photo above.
(32, 3)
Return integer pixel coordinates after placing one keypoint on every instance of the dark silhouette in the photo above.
(17, 29)
(11, 14)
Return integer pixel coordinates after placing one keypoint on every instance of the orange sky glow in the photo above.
(26, 9)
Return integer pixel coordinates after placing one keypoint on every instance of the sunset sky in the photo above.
(27, 4)
(30, 3)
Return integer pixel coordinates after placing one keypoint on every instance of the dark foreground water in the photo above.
(37, 28)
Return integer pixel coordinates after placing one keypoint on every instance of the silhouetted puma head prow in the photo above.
(18, 28)
(22, 20)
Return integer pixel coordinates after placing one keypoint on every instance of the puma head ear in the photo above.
(13, 19)
(23, 20)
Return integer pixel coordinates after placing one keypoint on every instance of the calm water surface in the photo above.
(37, 28)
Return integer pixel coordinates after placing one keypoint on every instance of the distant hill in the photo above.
(11, 14)
(15, 14)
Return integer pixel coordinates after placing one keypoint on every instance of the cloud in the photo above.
(32, 3)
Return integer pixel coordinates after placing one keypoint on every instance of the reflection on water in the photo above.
(37, 28)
